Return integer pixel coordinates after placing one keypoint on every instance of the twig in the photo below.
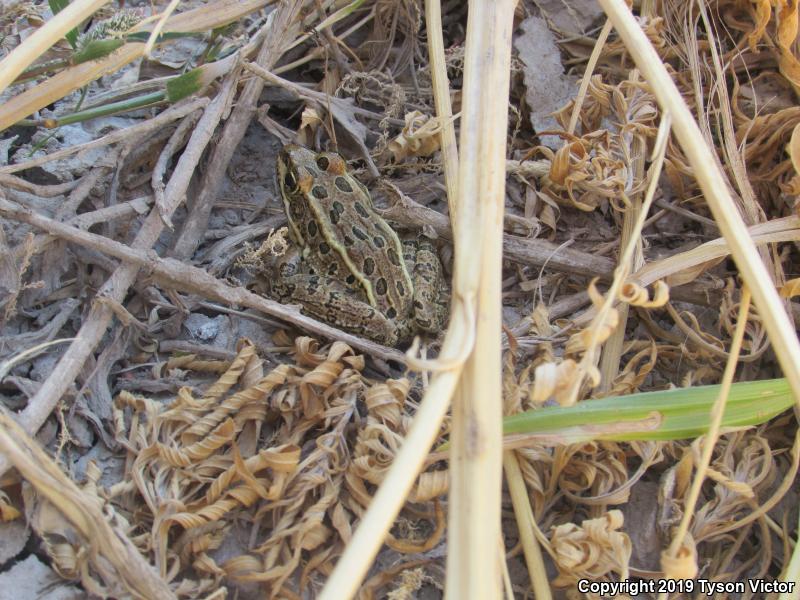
(526, 251)
(6, 366)
(43, 191)
(116, 287)
(323, 99)
(85, 220)
(191, 279)
(173, 145)
(171, 114)
(77, 196)
(283, 22)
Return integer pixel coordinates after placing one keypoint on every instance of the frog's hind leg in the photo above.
(332, 301)
(430, 289)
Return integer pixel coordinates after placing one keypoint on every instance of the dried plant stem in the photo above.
(441, 98)
(717, 411)
(155, 124)
(48, 34)
(175, 142)
(43, 191)
(785, 229)
(476, 436)
(625, 260)
(88, 219)
(587, 75)
(5, 367)
(715, 189)
(54, 88)
(632, 224)
(110, 551)
(526, 524)
(116, 287)
(59, 85)
(159, 27)
(283, 22)
(526, 251)
(332, 102)
(481, 195)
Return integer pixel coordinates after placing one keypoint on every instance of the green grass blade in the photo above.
(667, 415)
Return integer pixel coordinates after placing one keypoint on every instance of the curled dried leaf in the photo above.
(684, 564)
(636, 295)
(791, 288)
(593, 550)
(419, 137)
(7, 511)
(551, 380)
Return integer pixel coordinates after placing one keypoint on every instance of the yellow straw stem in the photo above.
(44, 37)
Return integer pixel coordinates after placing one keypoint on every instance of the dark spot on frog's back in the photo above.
(298, 210)
(380, 287)
(361, 210)
(312, 229)
(379, 241)
(343, 185)
(337, 208)
(391, 312)
(323, 162)
(324, 248)
(369, 266)
(393, 257)
(359, 234)
(320, 193)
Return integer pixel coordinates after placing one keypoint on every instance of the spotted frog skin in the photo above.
(348, 267)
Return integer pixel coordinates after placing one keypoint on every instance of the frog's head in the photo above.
(300, 168)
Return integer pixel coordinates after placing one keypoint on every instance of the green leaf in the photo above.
(667, 415)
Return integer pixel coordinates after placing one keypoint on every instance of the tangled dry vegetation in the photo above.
(200, 444)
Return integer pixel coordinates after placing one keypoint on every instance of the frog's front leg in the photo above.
(429, 301)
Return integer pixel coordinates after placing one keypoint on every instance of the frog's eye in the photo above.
(289, 181)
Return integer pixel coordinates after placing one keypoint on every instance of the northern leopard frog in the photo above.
(349, 267)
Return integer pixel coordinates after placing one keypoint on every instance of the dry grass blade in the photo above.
(47, 35)
(56, 87)
(679, 539)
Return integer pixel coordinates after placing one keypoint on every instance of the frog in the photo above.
(346, 265)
